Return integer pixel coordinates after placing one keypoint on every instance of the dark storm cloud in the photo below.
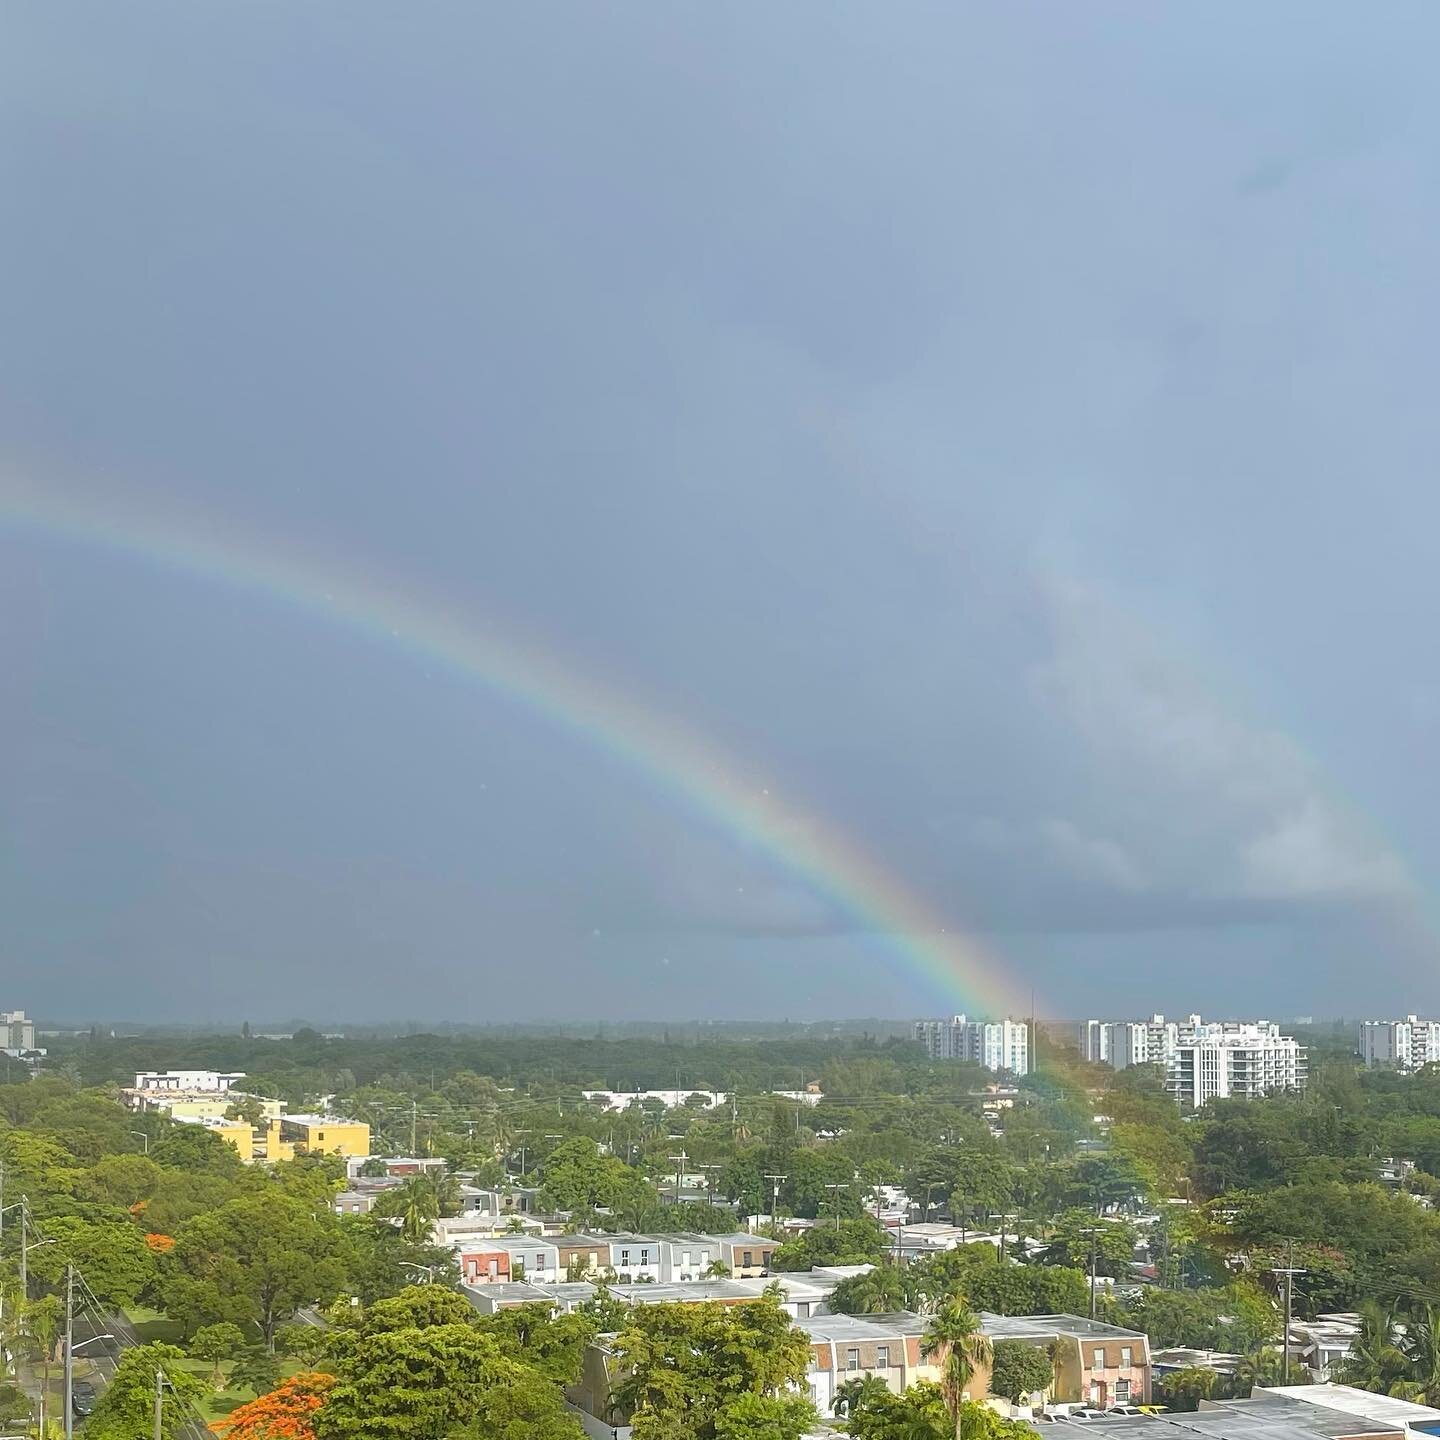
(1008, 432)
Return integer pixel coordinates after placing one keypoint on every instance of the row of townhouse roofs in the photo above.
(1202, 1060)
(1093, 1363)
(210, 1098)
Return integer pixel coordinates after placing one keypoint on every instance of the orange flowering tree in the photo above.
(286, 1413)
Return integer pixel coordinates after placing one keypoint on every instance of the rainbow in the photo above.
(675, 759)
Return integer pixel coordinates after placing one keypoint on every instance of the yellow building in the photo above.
(238, 1133)
(319, 1135)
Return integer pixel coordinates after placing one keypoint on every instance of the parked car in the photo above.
(82, 1397)
(1127, 1410)
(1086, 1412)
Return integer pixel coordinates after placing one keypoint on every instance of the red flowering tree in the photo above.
(286, 1413)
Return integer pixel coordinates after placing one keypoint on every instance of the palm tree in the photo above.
(1374, 1360)
(961, 1347)
(1420, 1345)
(415, 1204)
(881, 1290)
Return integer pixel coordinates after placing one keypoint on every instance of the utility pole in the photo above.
(679, 1160)
(775, 1182)
(159, 1404)
(1094, 1235)
(837, 1188)
(414, 1119)
(1289, 1272)
(24, 1249)
(69, 1352)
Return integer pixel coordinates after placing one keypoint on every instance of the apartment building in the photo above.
(493, 1259)
(1399, 1044)
(1202, 1060)
(997, 1045)
(17, 1032)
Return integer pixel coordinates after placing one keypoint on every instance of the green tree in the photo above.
(43, 1324)
(255, 1369)
(429, 1383)
(880, 1290)
(306, 1343)
(680, 1365)
(255, 1260)
(1020, 1370)
(214, 1344)
(1078, 1233)
(1375, 1360)
(955, 1340)
(125, 1409)
(416, 1206)
(112, 1256)
(1183, 1390)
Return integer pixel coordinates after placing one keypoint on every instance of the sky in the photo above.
(1006, 430)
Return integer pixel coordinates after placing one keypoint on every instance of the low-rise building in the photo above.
(320, 1135)
(745, 1255)
(1095, 1364)
(197, 1081)
(853, 1347)
(488, 1259)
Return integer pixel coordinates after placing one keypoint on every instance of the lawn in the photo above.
(151, 1326)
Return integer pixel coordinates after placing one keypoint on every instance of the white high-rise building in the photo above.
(1202, 1060)
(17, 1032)
(1400, 1044)
(995, 1044)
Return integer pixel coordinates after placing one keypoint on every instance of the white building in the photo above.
(1400, 1044)
(17, 1032)
(670, 1099)
(1202, 1059)
(196, 1082)
(997, 1045)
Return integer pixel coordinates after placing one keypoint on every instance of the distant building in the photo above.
(17, 1032)
(1202, 1060)
(316, 1135)
(197, 1082)
(1399, 1044)
(670, 1099)
(997, 1045)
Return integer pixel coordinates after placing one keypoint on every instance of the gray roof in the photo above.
(843, 1328)
(1034, 1327)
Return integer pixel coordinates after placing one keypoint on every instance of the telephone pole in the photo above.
(69, 1352)
(1289, 1272)
(775, 1182)
(159, 1404)
(837, 1188)
(24, 1248)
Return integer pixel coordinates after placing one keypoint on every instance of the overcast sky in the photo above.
(1009, 427)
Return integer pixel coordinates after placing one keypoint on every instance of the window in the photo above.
(882, 1357)
(852, 1359)
(1122, 1392)
(1098, 1359)
(625, 1257)
(746, 1260)
(1125, 1360)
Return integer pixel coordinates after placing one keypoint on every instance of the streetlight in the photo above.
(415, 1265)
(142, 1136)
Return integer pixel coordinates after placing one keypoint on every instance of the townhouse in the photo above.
(1095, 1364)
